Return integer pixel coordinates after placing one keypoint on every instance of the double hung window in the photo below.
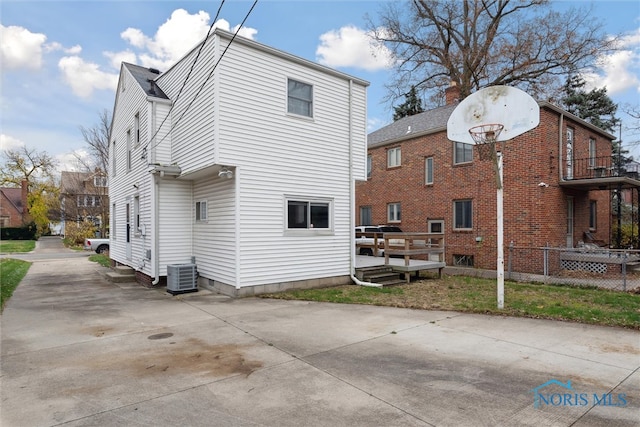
(299, 98)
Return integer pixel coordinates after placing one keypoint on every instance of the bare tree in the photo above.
(26, 164)
(480, 43)
(97, 139)
(37, 168)
(89, 190)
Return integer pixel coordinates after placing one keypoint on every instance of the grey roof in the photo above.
(146, 79)
(409, 127)
(14, 195)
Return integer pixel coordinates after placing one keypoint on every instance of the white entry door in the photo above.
(128, 231)
(570, 222)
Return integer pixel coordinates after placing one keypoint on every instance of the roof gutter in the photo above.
(408, 136)
(352, 198)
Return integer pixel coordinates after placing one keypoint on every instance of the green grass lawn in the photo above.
(475, 295)
(12, 246)
(11, 273)
(101, 259)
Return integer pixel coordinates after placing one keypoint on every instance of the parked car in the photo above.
(100, 246)
(370, 238)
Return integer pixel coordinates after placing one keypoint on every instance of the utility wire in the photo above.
(173, 125)
(193, 64)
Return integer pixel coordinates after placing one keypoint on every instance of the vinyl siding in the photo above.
(192, 114)
(240, 120)
(121, 185)
(215, 239)
(175, 222)
(280, 154)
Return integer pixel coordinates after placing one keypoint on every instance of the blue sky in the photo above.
(60, 59)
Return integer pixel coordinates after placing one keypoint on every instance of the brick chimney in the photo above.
(452, 93)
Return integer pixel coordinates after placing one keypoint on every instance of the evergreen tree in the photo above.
(412, 105)
(594, 106)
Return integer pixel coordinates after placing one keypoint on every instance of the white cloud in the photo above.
(375, 123)
(20, 48)
(620, 70)
(116, 58)
(353, 47)
(180, 33)
(74, 161)
(85, 77)
(247, 32)
(9, 143)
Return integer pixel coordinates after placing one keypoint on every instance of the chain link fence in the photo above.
(588, 266)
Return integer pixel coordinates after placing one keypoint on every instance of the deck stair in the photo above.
(121, 274)
(383, 275)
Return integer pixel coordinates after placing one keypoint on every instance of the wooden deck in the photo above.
(406, 245)
(398, 264)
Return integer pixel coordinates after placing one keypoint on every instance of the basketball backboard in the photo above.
(513, 108)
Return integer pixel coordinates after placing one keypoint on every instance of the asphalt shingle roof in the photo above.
(146, 79)
(411, 126)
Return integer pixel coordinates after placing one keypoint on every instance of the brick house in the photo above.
(558, 181)
(84, 195)
(13, 206)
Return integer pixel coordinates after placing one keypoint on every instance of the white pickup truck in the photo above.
(100, 246)
(366, 236)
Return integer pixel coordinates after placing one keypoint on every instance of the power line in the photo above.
(193, 64)
(173, 125)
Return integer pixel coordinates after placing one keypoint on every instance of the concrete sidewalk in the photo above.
(80, 351)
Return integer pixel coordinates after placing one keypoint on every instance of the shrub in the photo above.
(26, 232)
(76, 232)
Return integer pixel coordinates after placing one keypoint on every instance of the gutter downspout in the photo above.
(155, 244)
(352, 195)
(560, 133)
(155, 217)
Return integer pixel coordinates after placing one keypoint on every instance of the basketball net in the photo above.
(486, 139)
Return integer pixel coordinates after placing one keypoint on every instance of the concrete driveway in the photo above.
(80, 351)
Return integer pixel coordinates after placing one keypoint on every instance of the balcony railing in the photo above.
(601, 167)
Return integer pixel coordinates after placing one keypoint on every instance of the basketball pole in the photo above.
(500, 234)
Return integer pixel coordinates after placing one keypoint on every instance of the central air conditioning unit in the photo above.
(182, 278)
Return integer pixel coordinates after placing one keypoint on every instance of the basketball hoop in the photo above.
(485, 137)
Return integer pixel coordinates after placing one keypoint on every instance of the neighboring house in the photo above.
(244, 166)
(84, 196)
(558, 180)
(13, 206)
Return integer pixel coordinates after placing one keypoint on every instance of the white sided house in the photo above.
(243, 165)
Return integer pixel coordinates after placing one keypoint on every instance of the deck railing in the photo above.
(407, 245)
(601, 167)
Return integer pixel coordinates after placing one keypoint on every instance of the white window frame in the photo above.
(294, 100)
(432, 222)
(136, 213)
(394, 157)
(309, 203)
(394, 212)
(100, 181)
(366, 215)
(593, 214)
(592, 152)
(457, 203)
(136, 129)
(428, 170)
(466, 149)
(201, 211)
(129, 148)
(369, 164)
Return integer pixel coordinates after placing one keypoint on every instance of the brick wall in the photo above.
(533, 215)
